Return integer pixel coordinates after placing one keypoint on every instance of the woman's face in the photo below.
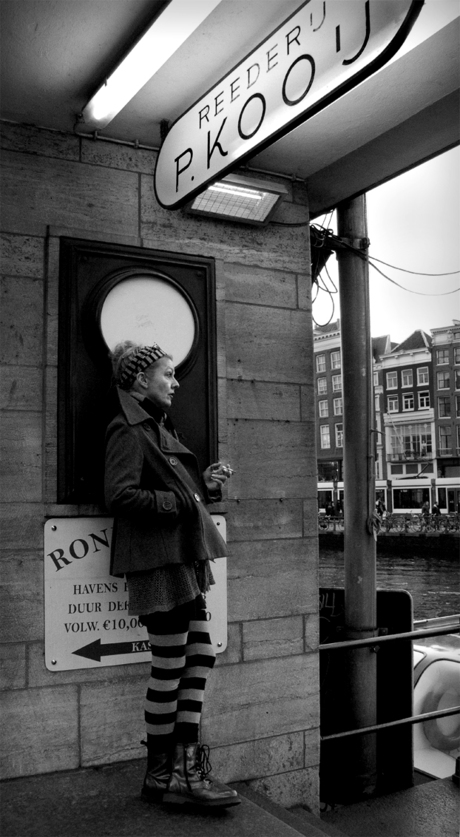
(161, 383)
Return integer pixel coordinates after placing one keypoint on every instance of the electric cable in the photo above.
(393, 281)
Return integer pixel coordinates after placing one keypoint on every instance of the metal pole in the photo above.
(359, 485)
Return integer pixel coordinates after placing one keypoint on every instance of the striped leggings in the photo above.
(182, 658)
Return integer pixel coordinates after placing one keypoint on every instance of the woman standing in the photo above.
(163, 540)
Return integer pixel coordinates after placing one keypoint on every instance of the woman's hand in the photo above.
(216, 475)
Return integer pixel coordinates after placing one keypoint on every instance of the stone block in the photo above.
(253, 520)
(267, 638)
(271, 579)
(312, 747)
(116, 156)
(308, 402)
(266, 757)
(269, 344)
(12, 666)
(21, 321)
(51, 191)
(30, 140)
(39, 731)
(304, 291)
(20, 457)
(21, 526)
(310, 517)
(112, 721)
(21, 597)
(261, 699)
(312, 631)
(257, 286)
(271, 460)
(268, 402)
(20, 387)
(299, 787)
(22, 255)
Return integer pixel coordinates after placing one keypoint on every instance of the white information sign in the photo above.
(87, 624)
(318, 54)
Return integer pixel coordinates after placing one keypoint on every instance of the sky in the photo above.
(413, 223)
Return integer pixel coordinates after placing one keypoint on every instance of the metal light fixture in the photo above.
(164, 36)
(238, 198)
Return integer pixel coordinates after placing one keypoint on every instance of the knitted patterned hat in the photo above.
(139, 359)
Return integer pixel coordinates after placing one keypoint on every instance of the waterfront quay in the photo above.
(399, 532)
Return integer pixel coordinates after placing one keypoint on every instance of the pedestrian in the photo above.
(435, 510)
(426, 509)
(163, 541)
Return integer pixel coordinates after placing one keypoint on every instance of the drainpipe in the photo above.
(359, 487)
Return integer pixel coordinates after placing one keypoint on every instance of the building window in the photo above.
(376, 379)
(457, 406)
(325, 436)
(338, 409)
(336, 362)
(376, 403)
(457, 379)
(442, 356)
(444, 406)
(323, 409)
(456, 354)
(336, 383)
(407, 378)
(423, 400)
(339, 435)
(393, 404)
(320, 363)
(456, 335)
(392, 380)
(322, 386)
(408, 401)
(458, 439)
(445, 441)
(443, 380)
(410, 441)
(422, 375)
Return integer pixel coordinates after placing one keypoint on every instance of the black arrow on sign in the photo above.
(95, 650)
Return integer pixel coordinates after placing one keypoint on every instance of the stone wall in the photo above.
(262, 707)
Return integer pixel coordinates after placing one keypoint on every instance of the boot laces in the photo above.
(203, 765)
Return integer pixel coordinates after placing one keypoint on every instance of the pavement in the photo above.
(106, 802)
(96, 802)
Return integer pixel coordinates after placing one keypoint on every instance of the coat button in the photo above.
(167, 505)
(172, 460)
(197, 497)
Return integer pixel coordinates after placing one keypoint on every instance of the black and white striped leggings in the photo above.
(182, 658)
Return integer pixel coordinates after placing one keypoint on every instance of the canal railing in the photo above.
(449, 627)
(398, 524)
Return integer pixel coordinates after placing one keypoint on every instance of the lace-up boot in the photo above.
(157, 776)
(189, 784)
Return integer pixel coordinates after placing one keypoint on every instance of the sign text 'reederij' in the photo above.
(321, 52)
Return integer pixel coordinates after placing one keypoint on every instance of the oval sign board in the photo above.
(317, 55)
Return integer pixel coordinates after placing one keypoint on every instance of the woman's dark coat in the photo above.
(155, 492)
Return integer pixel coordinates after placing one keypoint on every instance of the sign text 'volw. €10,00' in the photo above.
(87, 624)
(321, 52)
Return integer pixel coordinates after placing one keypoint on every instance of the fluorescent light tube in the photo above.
(166, 34)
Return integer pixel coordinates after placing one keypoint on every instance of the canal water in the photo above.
(432, 580)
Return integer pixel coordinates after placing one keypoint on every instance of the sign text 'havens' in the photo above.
(322, 51)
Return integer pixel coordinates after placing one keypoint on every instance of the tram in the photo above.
(400, 495)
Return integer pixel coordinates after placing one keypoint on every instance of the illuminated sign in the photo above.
(317, 55)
